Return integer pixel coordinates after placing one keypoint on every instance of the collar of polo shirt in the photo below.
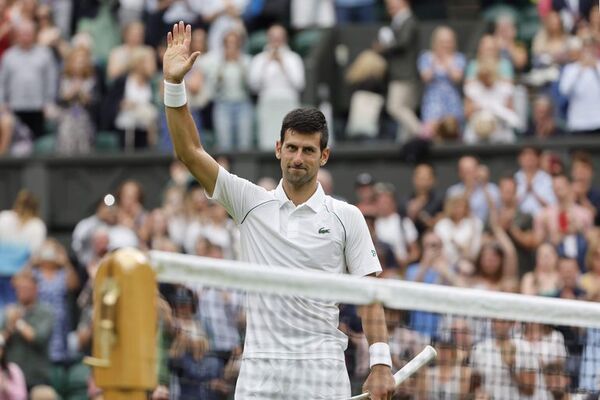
(315, 202)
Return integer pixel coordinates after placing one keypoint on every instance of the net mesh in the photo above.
(270, 333)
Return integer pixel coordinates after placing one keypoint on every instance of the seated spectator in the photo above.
(551, 162)
(27, 328)
(13, 381)
(81, 242)
(197, 371)
(199, 88)
(366, 80)
(28, 77)
(569, 278)
(518, 225)
(505, 34)
(534, 186)
(425, 203)
(15, 137)
(396, 44)
(354, 11)
(580, 84)
(474, 184)
(366, 196)
(385, 253)
(222, 16)
(130, 205)
(120, 59)
(441, 70)
(566, 223)
(547, 343)
(448, 378)
(277, 76)
(22, 232)
(77, 94)
(572, 12)
(459, 230)
(559, 381)
(489, 107)
(154, 229)
(590, 281)
(232, 110)
(394, 229)
(544, 279)
(506, 365)
(488, 50)
(544, 124)
(49, 35)
(549, 50)
(134, 94)
(582, 174)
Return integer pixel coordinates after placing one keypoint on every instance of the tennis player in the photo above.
(293, 347)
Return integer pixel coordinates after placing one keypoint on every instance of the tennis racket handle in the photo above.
(410, 368)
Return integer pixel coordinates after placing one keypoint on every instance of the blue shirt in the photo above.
(423, 322)
(477, 201)
(354, 3)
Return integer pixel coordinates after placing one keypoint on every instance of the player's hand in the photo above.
(380, 383)
(177, 60)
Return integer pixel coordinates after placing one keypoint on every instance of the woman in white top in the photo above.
(459, 230)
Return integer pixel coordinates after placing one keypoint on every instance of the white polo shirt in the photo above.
(322, 234)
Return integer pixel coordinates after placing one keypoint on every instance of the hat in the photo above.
(364, 179)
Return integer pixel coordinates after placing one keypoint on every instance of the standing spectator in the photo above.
(544, 279)
(354, 11)
(77, 93)
(590, 281)
(277, 76)
(397, 44)
(312, 14)
(81, 242)
(459, 230)
(564, 224)
(27, 328)
(505, 33)
(223, 16)
(433, 267)
(550, 48)
(394, 229)
(507, 365)
(232, 110)
(6, 27)
(49, 35)
(22, 232)
(475, 187)
(582, 174)
(119, 60)
(572, 12)
(28, 79)
(12, 381)
(489, 107)
(425, 202)
(534, 186)
(385, 253)
(130, 203)
(441, 70)
(569, 279)
(580, 84)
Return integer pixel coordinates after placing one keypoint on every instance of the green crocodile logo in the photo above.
(323, 230)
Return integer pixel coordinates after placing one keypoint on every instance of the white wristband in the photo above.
(379, 353)
(175, 95)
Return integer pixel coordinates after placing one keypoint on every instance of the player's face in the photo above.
(301, 157)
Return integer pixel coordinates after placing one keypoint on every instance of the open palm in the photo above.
(177, 60)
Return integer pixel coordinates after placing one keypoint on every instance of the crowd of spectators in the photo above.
(85, 75)
(533, 231)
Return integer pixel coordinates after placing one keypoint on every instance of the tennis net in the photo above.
(490, 345)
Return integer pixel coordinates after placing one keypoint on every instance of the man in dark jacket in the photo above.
(399, 44)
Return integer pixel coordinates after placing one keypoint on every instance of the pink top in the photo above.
(547, 224)
(13, 388)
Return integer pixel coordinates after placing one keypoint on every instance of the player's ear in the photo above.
(325, 156)
(278, 150)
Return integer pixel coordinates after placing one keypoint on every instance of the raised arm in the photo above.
(177, 61)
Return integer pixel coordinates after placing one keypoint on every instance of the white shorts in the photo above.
(272, 379)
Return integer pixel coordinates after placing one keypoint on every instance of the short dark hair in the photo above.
(306, 121)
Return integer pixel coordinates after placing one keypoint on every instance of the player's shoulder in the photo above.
(348, 213)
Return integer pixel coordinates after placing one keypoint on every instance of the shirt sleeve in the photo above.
(237, 195)
(360, 253)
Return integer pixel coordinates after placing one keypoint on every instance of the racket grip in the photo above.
(410, 368)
